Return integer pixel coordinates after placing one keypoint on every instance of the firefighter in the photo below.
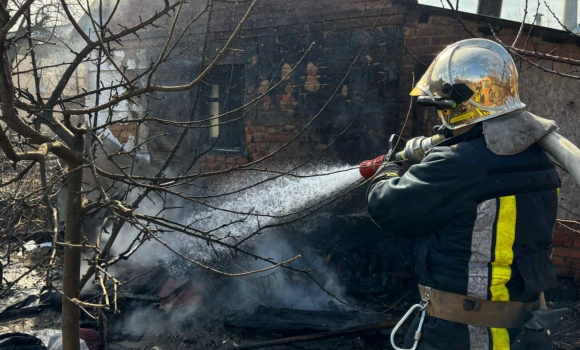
(483, 222)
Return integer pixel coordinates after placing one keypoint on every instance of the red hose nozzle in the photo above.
(368, 168)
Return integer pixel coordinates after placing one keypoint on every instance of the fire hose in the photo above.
(563, 151)
(557, 146)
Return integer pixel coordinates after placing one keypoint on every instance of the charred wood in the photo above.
(317, 336)
(303, 320)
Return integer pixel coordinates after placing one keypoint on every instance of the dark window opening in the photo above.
(222, 91)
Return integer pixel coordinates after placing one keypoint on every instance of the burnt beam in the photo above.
(282, 319)
(324, 335)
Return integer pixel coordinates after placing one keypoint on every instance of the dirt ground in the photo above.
(30, 284)
(568, 336)
(205, 329)
(209, 333)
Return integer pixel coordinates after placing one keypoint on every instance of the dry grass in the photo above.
(23, 215)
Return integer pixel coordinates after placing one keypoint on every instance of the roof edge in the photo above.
(502, 22)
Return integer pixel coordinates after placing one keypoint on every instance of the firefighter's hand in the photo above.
(388, 171)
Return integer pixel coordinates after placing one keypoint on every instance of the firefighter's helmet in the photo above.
(470, 81)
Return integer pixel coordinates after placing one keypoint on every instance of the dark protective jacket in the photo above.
(483, 225)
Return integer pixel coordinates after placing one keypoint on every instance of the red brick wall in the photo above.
(338, 28)
(273, 39)
(262, 140)
(566, 252)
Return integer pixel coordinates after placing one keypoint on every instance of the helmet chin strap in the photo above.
(448, 133)
(445, 131)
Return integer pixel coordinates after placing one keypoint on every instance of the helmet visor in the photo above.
(437, 74)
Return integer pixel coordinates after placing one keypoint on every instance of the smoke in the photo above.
(153, 321)
(280, 288)
(277, 288)
(150, 253)
(283, 287)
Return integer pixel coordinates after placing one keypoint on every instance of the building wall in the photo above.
(276, 40)
(566, 252)
(273, 40)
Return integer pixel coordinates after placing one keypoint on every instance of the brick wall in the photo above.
(272, 42)
(215, 162)
(566, 252)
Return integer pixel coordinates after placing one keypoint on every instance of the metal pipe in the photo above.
(564, 151)
(490, 7)
(570, 14)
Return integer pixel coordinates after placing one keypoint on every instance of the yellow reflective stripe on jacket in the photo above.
(500, 339)
(501, 270)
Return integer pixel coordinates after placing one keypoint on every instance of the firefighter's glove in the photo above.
(388, 171)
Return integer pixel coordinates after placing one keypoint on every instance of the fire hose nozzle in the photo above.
(414, 152)
(416, 148)
(368, 168)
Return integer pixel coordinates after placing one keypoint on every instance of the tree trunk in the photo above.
(72, 262)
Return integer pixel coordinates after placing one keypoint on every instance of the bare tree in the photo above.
(54, 130)
(523, 49)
